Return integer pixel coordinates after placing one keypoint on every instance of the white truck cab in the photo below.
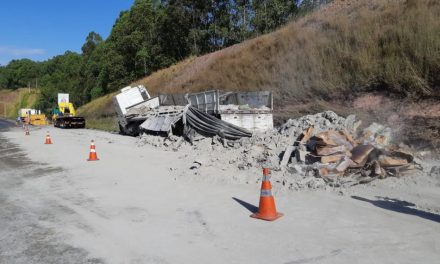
(129, 100)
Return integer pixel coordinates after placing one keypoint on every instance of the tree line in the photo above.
(151, 35)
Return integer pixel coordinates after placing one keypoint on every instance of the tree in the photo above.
(61, 74)
(270, 15)
(3, 78)
(307, 5)
(151, 35)
(241, 27)
(173, 32)
(220, 25)
(142, 57)
(19, 73)
(92, 41)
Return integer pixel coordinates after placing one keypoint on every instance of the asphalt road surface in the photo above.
(23, 211)
(134, 206)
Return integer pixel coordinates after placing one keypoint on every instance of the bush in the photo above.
(96, 92)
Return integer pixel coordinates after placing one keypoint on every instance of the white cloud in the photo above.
(5, 50)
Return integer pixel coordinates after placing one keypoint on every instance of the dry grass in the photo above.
(160, 77)
(346, 46)
(394, 47)
(98, 108)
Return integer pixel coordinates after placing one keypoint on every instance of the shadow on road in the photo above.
(5, 125)
(252, 208)
(400, 207)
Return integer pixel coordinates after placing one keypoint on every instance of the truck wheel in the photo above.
(121, 130)
(132, 130)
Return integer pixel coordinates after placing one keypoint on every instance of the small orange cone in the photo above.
(266, 210)
(48, 139)
(92, 155)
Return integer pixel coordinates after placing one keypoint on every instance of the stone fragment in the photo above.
(286, 156)
(331, 159)
(386, 161)
(300, 155)
(360, 153)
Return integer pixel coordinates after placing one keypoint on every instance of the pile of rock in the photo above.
(309, 152)
(321, 122)
(170, 142)
(342, 152)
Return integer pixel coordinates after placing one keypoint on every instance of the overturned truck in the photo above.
(230, 115)
(129, 104)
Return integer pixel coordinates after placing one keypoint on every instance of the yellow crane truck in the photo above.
(64, 115)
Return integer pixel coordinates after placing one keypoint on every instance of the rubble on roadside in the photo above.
(313, 152)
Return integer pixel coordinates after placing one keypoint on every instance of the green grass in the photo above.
(16, 99)
(104, 123)
(99, 114)
(98, 108)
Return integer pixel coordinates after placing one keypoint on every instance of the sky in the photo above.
(42, 29)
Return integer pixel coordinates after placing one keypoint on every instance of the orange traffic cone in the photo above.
(27, 131)
(266, 210)
(48, 139)
(92, 155)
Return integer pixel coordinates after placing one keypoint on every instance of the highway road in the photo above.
(24, 238)
(134, 206)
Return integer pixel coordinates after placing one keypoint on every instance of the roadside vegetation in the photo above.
(99, 114)
(346, 47)
(343, 49)
(152, 35)
(319, 60)
(13, 100)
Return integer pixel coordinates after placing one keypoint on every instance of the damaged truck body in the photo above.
(129, 104)
(230, 115)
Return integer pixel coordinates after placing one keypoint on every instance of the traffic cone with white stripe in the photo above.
(48, 139)
(267, 209)
(92, 155)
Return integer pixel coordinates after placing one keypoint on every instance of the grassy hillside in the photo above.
(99, 113)
(321, 61)
(347, 46)
(12, 100)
